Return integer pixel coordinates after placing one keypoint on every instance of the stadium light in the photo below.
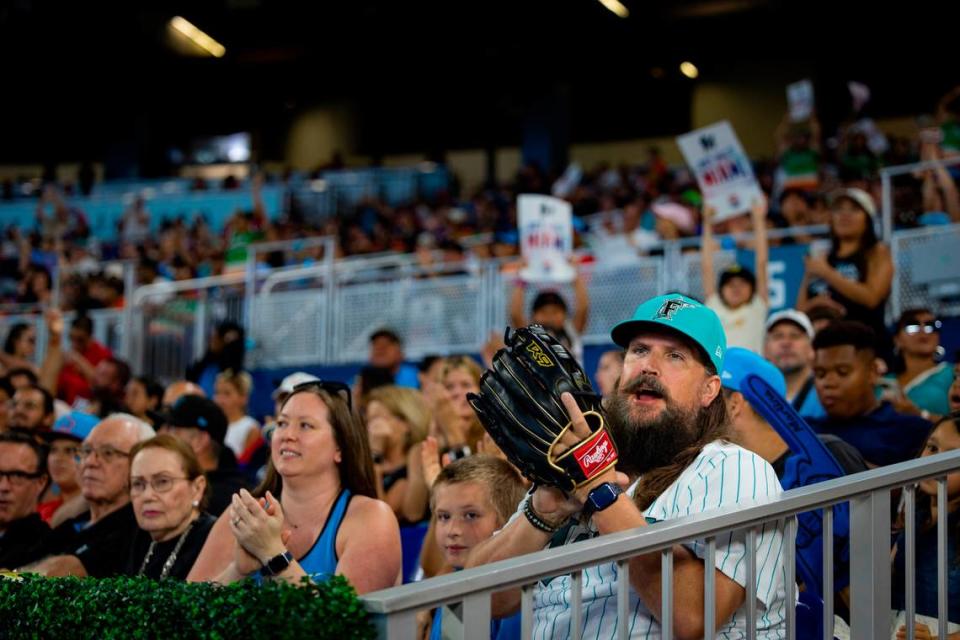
(198, 37)
(616, 7)
(689, 69)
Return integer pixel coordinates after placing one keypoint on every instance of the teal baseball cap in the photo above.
(740, 362)
(681, 314)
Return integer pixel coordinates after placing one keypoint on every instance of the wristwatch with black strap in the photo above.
(276, 565)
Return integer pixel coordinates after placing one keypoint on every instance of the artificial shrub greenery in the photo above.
(34, 607)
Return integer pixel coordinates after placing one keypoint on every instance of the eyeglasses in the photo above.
(926, 327)
(106, 453)
(330, 386)
(160, 484)
(19, 478)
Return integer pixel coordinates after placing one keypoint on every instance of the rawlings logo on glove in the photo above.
(520, 407)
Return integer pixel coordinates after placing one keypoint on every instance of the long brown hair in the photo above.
(711, 425)
(356, 464)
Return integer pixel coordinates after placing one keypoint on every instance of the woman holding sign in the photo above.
(856, 275)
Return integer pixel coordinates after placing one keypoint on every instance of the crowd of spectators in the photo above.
(105, 473)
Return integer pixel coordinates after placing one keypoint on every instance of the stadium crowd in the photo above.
(105, 473)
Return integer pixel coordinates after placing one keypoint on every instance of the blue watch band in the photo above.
(601, 497)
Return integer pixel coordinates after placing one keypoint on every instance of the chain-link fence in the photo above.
(927, 272)
(326, 313)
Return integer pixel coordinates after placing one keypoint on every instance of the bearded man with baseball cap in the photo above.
(668, 420)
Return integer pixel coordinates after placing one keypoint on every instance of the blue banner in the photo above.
(784, 273)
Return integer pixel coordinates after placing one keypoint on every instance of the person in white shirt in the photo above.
(740, 299)
(232, 393)
(668, 419)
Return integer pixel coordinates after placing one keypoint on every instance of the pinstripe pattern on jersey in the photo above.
(723, 475)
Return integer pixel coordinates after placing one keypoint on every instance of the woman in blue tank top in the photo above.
(315, 514)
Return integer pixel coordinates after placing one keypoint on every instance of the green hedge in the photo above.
(34, 607)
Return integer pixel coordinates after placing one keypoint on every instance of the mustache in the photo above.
(644, 382)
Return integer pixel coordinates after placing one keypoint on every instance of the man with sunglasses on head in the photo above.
(200, 423)
(97, 543)
(23, 478)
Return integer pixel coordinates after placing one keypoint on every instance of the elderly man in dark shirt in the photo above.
(97, 543)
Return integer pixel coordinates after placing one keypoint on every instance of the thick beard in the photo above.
(650, 442)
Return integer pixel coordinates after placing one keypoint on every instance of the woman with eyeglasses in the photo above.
(316, 512)
(168, 492)
(919, 384)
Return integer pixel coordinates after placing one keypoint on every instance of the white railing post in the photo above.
(870, 566)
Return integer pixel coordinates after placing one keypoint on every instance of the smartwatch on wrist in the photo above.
(601, 497)
(277, 564)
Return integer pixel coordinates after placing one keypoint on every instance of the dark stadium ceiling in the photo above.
(80, 76)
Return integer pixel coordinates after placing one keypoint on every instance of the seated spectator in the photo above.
(177, 390)
(940, 197)
(232, 394)
(23, 478)
(78, 373)
(954, 392)
(168, 491)
(110, 378)
(550, 310)
(823, 316)
(6, 395)
(429, 371)
(845, 374)
(224, 353)
(789, 346)
(919, 383)
(320, 487)
(19, 349)
(856, 276)
(945, 437)
(97, 543)
(279, 395)
(798, 153)
(368, 379)
(397, 421)
(142, 397)
(740, 299)
(608, 371)
(20, 378)
(673, 220)
(31, 410)
(64, 442)
(457, 424)
(386, 352)
(471, 499)
(753, 432)
(200, 423)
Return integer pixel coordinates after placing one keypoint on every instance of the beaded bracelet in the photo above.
(536, 520)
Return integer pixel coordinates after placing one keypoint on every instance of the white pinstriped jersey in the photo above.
(723, 475)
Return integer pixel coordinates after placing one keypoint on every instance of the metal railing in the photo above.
(394, 610)
(887, 174)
